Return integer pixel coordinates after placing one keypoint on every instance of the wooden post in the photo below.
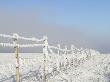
(66, 60)
(72, 52)
(17, 57)
(72, 46)
(58, 50)
(65, 50)
(45, 52)
(59, 54)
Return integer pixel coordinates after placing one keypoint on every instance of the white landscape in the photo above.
(62, 65)
(54, 40)
(83, 65)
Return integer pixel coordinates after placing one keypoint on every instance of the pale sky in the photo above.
(84, 23)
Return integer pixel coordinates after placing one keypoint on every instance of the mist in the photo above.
(29, 23)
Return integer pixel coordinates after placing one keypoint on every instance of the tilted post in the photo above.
(15, 38)
(45, 52)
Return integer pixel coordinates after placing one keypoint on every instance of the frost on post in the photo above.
(15, 39)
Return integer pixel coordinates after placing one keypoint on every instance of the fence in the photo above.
(58, 63)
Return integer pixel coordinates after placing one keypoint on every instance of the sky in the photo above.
(84, 23)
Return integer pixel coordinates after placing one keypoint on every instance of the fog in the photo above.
(30, 23)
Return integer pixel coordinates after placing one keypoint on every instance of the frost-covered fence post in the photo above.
(45, 52)
(72, 46)
(59, 54)
(72, 52)
(58, 49)
(65, 50)
(67, 57)
(15, 39)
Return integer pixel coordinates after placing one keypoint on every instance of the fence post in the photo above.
(58, 50)
(65, 50)
(72, 46)
(72, 52)
(45, 52)
(15, 38)
(59, 54)
(66, 62)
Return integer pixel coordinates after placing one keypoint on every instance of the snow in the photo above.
(85, 65)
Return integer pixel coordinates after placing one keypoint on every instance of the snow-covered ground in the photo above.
(85, 65)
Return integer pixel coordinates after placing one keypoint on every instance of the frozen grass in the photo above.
(82, 66)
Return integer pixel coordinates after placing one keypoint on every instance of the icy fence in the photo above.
(74, 65)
